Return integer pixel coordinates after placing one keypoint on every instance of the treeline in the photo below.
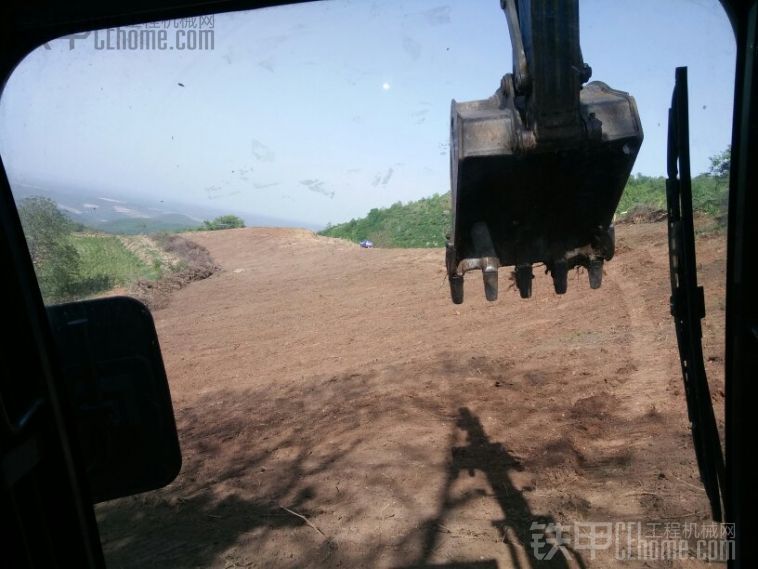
(421, 223)
(710, 194)
(425, 222)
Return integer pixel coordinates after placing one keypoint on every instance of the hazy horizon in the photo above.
(93, 208)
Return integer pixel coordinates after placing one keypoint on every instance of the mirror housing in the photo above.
(119, 395)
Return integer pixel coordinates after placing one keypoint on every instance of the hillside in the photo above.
(421, 223)
(425, 222)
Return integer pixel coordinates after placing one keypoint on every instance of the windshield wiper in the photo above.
(688, 299)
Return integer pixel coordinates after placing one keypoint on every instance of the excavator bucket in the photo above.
(538, 169)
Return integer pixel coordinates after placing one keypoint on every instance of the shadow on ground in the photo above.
(519, 527)
(356, 470)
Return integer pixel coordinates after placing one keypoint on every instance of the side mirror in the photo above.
(119, 394)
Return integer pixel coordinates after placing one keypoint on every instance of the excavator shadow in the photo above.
(517, 528)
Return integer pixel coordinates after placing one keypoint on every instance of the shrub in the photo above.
(223, 222)
(56, 261)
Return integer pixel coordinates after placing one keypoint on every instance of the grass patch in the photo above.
(105, 261)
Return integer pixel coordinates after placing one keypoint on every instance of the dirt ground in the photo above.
(314, 378)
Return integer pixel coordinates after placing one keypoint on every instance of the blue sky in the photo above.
(320, 112)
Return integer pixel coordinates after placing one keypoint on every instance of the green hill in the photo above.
(422, 223)
(425, 222)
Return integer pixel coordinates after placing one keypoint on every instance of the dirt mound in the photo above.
(642, 214)
(342, 384)
(190, 262)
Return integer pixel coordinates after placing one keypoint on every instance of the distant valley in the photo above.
(131, 215)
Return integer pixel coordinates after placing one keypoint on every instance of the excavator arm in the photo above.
(538, 169)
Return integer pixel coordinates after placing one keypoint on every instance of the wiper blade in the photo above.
(688, 300)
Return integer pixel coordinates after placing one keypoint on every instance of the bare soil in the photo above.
(314, 378)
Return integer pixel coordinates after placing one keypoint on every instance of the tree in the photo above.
(56, 261)
(223, 222)
(720, 163)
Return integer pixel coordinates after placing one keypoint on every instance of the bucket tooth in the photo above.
(559, 272)
(595, 271)
(484, 252)
(524, 277)
(490, 284)
(456, 288)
